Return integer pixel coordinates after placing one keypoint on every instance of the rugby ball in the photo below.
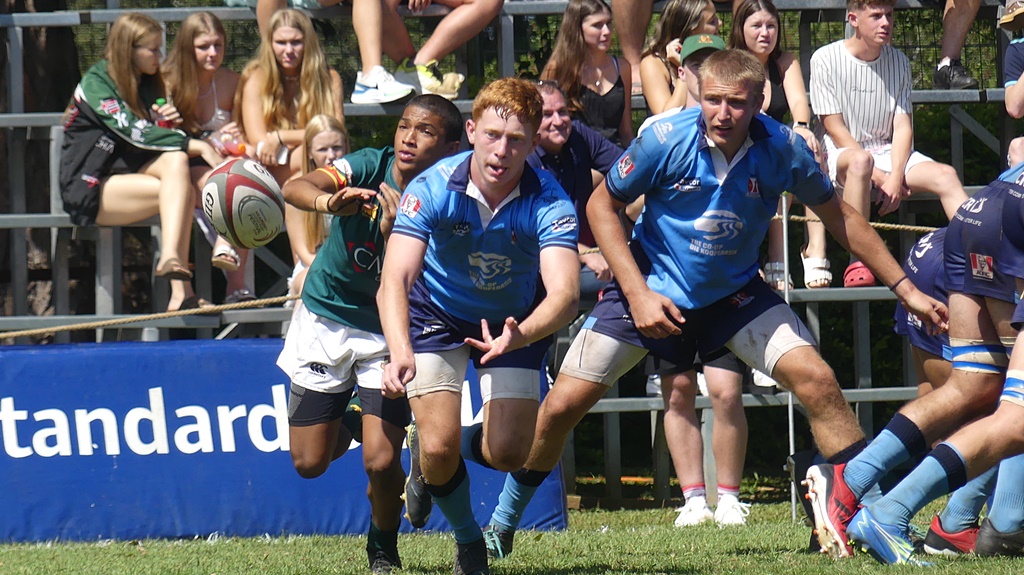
(244, 203)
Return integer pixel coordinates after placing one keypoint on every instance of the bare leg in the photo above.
(682, 429)
(1016, 151)
(631, 18)
(563, 407)
(367, 21)
(265, 9)
(440, 430)
(941, 180)
(382, 449)
(956, 23)
(314, 447)
(466, 20)
(399, 45)
(508, 432)
(729, 434)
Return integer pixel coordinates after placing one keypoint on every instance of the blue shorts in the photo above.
(706, 330)
(432, 329)
(924, 267)
(978, 261)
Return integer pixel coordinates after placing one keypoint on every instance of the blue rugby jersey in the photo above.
(476, 272)
(702, 236)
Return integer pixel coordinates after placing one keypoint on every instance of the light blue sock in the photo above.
(880, 457)
(457, 508)
(512, 502)
(939, 473)
(873, 494)
(961, 513)
(1007, 510)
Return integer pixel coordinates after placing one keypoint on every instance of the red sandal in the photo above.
(858, 275)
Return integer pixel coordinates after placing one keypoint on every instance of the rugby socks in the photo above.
(1007, 510)
(520, 487)
(473, 445)
(453, 500)
(965, 504)
(844, 456)
(941, 472)
(898, 442)
(379, 540)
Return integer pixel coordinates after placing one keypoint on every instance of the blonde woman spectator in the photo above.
(326, 140)
(591, 78)
(203, 91)
(118, 166)
(663, 87)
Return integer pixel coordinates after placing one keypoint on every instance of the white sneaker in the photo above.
(731, 511)
(695, 512)
(427, 79)
(378, 87)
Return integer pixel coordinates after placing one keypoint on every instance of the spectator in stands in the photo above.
(757, 29)
(374, 84)
(326, 140)
(860, 88)
(337, 324)
(203, 91)
(663, 87)
(118, 167)
(569, 150)
(957, 18)
(590, 77)
(420, 67)
(281, 90)
(1013, 72)
(1013, 17)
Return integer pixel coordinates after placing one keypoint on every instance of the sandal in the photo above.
(195, 302)
(775, 276)
(173, 269)
(858, 275)
(225, 257)
(817, 272)
(1013, 18)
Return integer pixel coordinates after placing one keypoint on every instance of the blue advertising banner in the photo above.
(181, 439)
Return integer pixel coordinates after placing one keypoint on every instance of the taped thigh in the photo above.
(978, 356)
(1013, 389)
(439, 371)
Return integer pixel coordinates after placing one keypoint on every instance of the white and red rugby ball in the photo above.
(244, 203)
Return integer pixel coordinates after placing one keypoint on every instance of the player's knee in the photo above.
(309, 467)
(1015, 154)
(509, 457)
(810, 381)
(380, 463)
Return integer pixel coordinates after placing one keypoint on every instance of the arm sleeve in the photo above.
(557, 224)
(1013, 63)
(809, 183)
(639, 168)
(361, 167)
(417, 210)
(117, 117)
(905, 84)
(823, 90)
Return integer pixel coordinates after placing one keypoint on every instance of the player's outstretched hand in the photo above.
(397, 373)
(932, 312)
(347, 201)
(511, 338)
(655, 315)
(388, 198)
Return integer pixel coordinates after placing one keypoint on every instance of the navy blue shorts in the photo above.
(924, 267)
(705, 331)
(978, 261)
(433, 329)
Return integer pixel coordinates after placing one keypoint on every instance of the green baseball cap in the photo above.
(698, 42)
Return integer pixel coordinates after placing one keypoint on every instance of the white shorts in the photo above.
(326, 356)
(882, 157)
(599, 358)
(446, 370)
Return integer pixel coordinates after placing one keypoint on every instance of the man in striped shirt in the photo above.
(860, 88)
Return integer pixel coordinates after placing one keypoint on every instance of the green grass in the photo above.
(596, 543)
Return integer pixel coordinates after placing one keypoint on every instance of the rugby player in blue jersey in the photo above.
(482, 265)
(712, 177)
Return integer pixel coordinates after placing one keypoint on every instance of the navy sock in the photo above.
(899, 441)
(472, 447)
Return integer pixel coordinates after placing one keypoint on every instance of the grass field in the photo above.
(596, 543)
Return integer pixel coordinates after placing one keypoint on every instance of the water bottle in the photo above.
(159, 118)
(226, 144)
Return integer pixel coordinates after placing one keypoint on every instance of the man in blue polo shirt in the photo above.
(571, 151)
(476, 239)
(689, 280)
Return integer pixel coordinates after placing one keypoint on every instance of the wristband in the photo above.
(898, 282)
(326, 206)
(804, 125)
(278, 134)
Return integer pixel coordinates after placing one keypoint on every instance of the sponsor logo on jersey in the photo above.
(93, 181)
(365, 258)
(110, 106)
(718, 224)
(974, 205)
(982, 267)
(625, 166)
(411, 205)
(687, 185)
(486, 271)
(923, 246)
(460, 229)
(661, 131)
(432, 329)
(564, 224)
(752, 188)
